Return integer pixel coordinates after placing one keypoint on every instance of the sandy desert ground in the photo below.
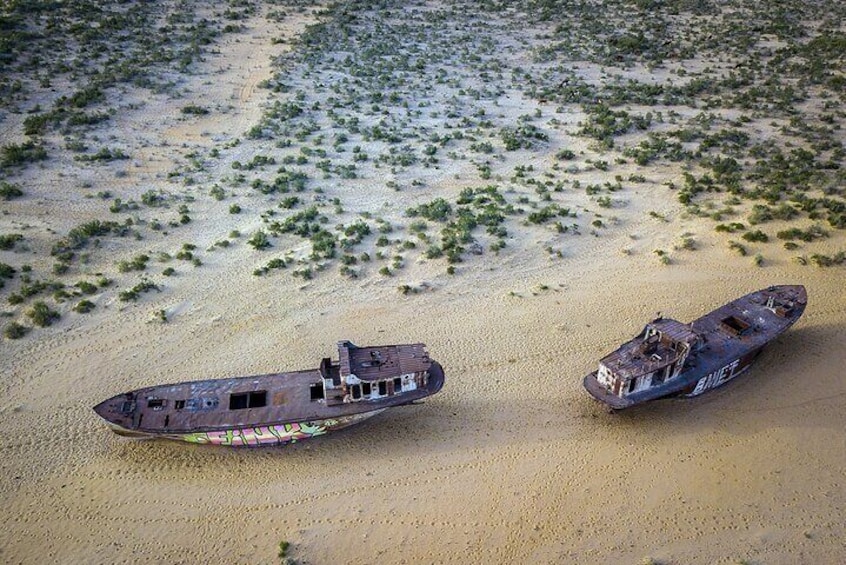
(511, 462)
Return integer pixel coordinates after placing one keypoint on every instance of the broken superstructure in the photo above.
(670, 358)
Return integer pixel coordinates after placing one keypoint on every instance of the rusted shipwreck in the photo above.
(670, 358)
(279, 408)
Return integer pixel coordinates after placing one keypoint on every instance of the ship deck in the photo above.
(216, 404)
(737, 329)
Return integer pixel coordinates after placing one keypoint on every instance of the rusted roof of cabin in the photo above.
(374, 363)
(641, 356)
(675, 330)
(627, 363)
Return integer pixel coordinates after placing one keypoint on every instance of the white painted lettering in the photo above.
(715, 379)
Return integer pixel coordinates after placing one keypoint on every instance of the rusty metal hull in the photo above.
(278, 408)
(717, 348)
(256, 436)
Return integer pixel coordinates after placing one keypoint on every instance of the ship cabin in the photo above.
(655, 357)
(366, 374)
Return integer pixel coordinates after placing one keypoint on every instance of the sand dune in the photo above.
(511, 460)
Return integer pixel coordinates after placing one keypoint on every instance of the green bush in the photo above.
(524, 136)
(86, 287)
(83, 307)
(194, 110)
(812, 233)
(738, 247)
(87, 96)
(14, 330)
(13, 155)
(438, 210)
(756, 235)
(730, 228)
(36, 124)
(8, 241)
(259, 240)
(79, 236)
(828, 261)
(134, 292)
(105, 154)
(760, 213)
(138, 263)
(547, 213)
(6, 271)
(42, 315)
(9, 191)
(323, 245)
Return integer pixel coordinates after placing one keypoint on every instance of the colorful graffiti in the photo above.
(262, 435)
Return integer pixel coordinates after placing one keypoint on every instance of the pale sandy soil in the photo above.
(511, 462)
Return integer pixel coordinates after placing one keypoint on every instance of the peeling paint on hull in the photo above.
(279, 408)
(257, 436)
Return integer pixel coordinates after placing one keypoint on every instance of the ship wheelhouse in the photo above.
(371, 373)
(655, 357)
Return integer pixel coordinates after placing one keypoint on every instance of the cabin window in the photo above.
(632, 385)
(179, 404)
(316, 391)
(356, 392)
(398, 385)
(383, 388)
(366, 389)
(156, 403)
(255, 399)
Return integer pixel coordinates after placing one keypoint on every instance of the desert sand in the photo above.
(511, 462)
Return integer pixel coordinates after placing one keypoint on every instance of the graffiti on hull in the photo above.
(717, 378)
(262, 435)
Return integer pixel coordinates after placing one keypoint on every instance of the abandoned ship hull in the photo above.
(278, 408)
(721, 376)
(258, 435)
(694, 383)
(671, 359)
